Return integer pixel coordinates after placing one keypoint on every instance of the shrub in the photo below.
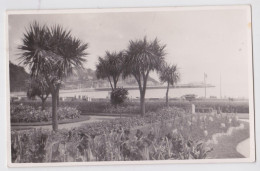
(118, 96)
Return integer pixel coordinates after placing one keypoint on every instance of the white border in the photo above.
(120, 10)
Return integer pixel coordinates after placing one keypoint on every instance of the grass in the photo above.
(226, 147)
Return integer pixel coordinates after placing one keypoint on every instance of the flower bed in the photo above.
(168, 134)
(24, 113)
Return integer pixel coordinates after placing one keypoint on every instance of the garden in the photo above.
(168, 134)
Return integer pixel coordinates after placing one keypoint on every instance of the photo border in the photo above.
(251, 98)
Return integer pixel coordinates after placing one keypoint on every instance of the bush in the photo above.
(118, 96)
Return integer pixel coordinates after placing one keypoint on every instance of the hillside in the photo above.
(86, 78)
(18, 77)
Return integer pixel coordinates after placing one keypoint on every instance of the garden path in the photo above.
(244, 146)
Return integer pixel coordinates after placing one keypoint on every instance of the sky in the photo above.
(214, 42)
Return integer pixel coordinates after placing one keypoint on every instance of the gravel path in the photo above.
(244, 146)
(70, 125)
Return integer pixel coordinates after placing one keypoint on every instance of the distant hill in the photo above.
(18, 77)
(83, 78)
(86, 78)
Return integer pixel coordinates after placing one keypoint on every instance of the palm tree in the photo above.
(72, 51)
(110, 67)
(52, 53)
(143, 57)
(170, 75)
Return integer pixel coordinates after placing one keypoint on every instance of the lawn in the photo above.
(226, 147)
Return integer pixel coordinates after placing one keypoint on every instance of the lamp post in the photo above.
(205, 84)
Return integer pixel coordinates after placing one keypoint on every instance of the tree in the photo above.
(110, 67)
(142, 57)
(54, 54)
(38, 87)
(170, 75)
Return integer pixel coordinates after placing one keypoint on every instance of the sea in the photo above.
(211, 92)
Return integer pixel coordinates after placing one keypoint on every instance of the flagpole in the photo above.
(205, 85)
(220, 88)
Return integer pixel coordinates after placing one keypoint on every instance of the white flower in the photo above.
(222, 125)
(175, 131)
(205, 133)
(211, 119)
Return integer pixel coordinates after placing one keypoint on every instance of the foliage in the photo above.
(24, 114)
(151, 106)
(38, 87)
(123, 109)
(118, 96)
(167, 134)
(142, 57)
(110, 67)
(53, 53)
(169, 74)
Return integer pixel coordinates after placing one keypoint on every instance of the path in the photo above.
(69, 125)
(244, 146)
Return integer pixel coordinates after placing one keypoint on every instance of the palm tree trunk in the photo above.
(142, 103)
(110, 83)
(167, 92)
(43, 104)
(58, 98)
(115, 84)
(54, 111)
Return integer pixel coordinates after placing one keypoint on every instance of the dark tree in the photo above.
(142, 57)
(54, 54)
(170, 75)
(110, 67)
